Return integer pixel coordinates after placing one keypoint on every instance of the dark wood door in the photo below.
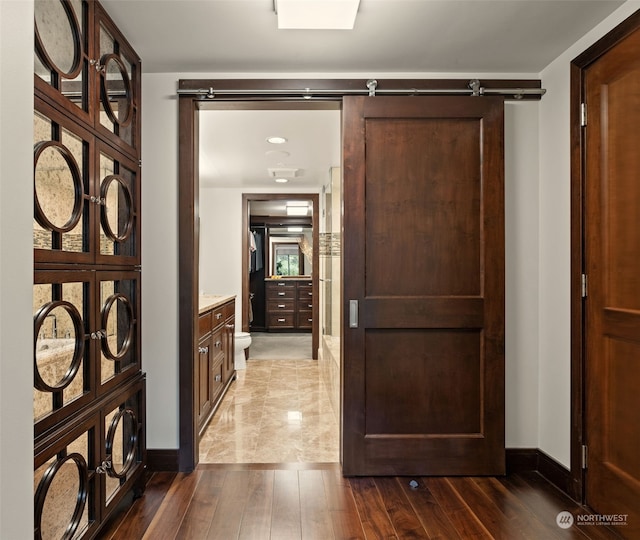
(424, 260)
(612, 263)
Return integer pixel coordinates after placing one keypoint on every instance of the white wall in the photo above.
(160, 249)
(221, 241)
(521, 274)
(160, 258)
(16, 269)
(554, 265)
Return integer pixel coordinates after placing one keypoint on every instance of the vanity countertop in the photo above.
(288, 278)
(207, 302)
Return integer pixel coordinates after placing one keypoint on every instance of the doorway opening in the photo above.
(279, 408)
(202, 94)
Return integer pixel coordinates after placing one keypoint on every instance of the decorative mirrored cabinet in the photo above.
(89, 388)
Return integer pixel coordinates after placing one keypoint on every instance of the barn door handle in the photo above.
(353, 314)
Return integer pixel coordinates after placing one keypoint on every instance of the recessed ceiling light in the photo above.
(297, 210)
(294, 229)
(316, 14)
(276, 140)
(282, 180)
(277, 154)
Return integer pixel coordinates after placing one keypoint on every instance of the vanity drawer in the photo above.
(278, 306)
(216, 344)
(217, 382)
(274, 293)
(305, 319)
(305, 293)
(204, 324)
(218, 316)
(281, 320)
(229, 309)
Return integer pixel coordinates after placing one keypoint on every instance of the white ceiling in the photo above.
(478, 36)
(390, 37)
(234, 151)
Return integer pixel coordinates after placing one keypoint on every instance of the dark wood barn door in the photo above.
(612, 266)
(423, 379)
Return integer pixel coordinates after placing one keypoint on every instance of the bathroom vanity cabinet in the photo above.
(289, 304)
(215, 369)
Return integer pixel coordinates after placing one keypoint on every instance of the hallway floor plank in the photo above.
(313, 501)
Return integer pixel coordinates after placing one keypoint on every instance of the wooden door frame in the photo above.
(189, 105)
(315, 261)
(579, 65)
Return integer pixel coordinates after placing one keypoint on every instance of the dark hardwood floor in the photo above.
(303, 501)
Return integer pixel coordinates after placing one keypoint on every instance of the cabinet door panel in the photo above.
(64, 211)
(62, 59)
(64, 372)
(119, 297)
(118, 87)
(118, 224)
(204, 378)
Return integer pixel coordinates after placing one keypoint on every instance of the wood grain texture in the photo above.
(320, 504)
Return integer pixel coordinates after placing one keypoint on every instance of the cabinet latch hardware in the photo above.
(103, 467)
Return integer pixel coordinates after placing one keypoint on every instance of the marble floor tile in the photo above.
(277, 411)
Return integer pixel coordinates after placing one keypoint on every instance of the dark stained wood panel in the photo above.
(404, 360)
(424, 259)
(423, 216)
(612, 266)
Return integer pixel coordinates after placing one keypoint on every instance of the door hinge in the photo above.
(584, 456)
(583, 285)
(583, 114)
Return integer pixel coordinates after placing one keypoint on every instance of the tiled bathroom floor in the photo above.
(277, 411)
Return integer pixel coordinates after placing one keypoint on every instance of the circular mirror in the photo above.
(59, 346)
(58, 41)
(59, 515)
(116, 214)
(116, 90)
(58, 187)
(117, 321)
(122, 442)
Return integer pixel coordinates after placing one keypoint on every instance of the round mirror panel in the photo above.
(58, 187)
(59, 346)
(117, 321)
(122, 442)
(116, 90)
(61, 497)
(58, 41)
(116, 214)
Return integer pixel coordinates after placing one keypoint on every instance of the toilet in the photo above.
(242, 341)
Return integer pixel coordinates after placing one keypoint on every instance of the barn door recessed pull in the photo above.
(353, 314)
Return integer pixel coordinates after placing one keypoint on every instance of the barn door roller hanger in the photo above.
(473, 87)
